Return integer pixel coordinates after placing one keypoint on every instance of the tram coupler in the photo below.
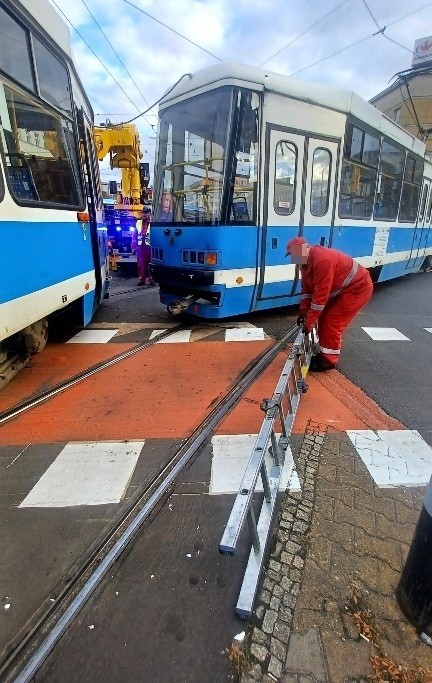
(177, 307)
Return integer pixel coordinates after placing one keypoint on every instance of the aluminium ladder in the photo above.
(280, 409)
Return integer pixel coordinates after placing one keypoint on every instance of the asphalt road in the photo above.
(396, 374)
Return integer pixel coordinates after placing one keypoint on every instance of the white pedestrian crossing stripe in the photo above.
(385, 334)
(231, 455)
(231, 334)
(175, 338)
(93, 337)
(86, 474)
(244, 334)
(394, 458)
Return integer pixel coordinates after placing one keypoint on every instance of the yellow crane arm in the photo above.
(123, 146)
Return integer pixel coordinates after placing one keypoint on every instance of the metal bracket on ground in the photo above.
(280, 409)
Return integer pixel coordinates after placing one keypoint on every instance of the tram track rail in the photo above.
(26, 659)
(37, 399)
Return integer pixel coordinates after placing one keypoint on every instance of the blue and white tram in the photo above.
(54, 248)
(248, 159)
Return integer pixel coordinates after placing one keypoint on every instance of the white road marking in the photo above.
(175, 338)
(86, 474)
(428, 329)
(385, 334)
(92, 337)
(231, 455)
(244, 334)
(394, 458)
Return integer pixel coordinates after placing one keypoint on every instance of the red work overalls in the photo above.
(334, 289)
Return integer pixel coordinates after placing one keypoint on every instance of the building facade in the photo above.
(408, 101)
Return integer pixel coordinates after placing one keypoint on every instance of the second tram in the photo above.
(247, 159)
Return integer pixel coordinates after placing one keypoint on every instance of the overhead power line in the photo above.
(304, 32)
(99, 60)
(115, 52)
(173, 30)
(357, 42)
(373, 18)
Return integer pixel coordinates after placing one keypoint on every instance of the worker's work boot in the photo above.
(318, 364)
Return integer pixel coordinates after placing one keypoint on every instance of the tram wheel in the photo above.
(35, 336)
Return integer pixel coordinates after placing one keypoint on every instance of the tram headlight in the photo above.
(211, 258)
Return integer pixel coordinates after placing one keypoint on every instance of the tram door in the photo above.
(421, 232)
(299, 187)
(94, 198)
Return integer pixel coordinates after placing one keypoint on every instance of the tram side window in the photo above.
(40, 152)
(389, 182)
(285, 177)
(14, 51)
(242, 202)
(423, 202)
(52, 78)
(359, 171)
(429, 211)
(320, 187)
(411, 190)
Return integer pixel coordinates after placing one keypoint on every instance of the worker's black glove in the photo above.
(305, 329)
(301, 319)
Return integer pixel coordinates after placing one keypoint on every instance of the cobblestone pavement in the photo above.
(338, 549)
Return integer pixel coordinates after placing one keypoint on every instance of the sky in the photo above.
(126, 59)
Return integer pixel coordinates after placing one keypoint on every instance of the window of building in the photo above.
(359, 171)
(411, 189)
(14, 51)
(389, 182)
(52, 78)
(40, 152)
(320, 183)
(396, 115)
(285, 177)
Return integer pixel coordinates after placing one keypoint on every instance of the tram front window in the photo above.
(207, 159)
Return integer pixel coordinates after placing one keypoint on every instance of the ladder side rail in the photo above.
(241, 504)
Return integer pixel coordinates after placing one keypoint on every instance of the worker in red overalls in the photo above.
(141, 244)
(334, 288)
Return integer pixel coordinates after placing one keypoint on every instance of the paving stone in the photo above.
(269, 621)
(259, 652)
(275, 667)
(305, 654)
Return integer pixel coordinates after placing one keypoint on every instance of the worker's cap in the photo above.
(296, 241)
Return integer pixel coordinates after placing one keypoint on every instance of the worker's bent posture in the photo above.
(334, 288)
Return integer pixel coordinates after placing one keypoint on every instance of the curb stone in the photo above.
(271, 624)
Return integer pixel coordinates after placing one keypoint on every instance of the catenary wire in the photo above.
(116, 54)
(368, 9)
(99, 60)
(304, 32)
(323, 59)
(173, 30)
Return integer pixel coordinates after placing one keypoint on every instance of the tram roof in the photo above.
(345, 101)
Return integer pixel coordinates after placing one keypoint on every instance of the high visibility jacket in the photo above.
(142, 233)
(326, 275)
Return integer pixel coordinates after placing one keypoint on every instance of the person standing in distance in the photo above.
(141, 244)
(334, 288)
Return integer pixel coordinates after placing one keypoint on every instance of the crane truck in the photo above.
(122, 144)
